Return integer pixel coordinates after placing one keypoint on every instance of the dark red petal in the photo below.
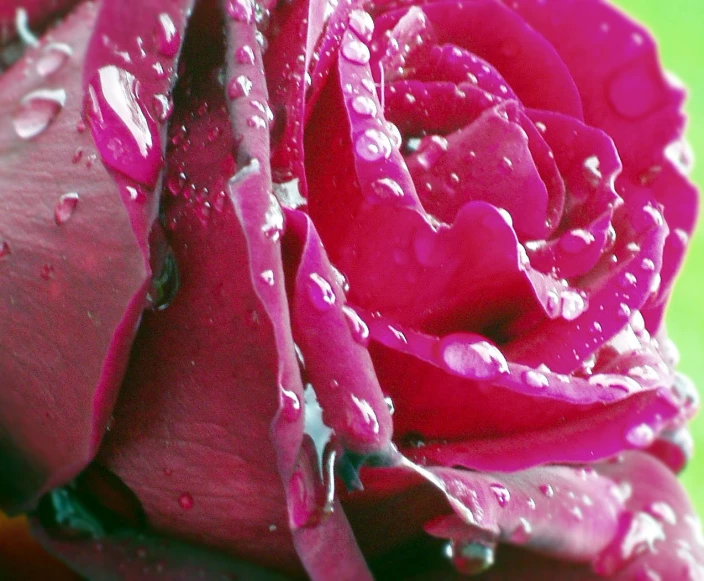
(330, 542)
(135, 556)
(191, 436)
(73, 277)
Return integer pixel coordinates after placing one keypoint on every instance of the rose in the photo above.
(456, 162)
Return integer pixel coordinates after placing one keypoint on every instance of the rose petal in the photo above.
(336, 363)
(526, 60)
(176, 449)
(63, 297)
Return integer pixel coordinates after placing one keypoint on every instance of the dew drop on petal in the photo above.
(320, 292)
(358, 328)
(575, 241)
(52, 58)
(65, 207)
(239, 86)
(355, 51)
(240, 10)
(502, 494)
(641, 435)
(523, 531)
(386, 189)
(470, 558)
(362, 24)
(373, 145)
(535, 379)
(268, 277)
(547, 490)
(36, 111)
(245, 55)
(364, 105)
(573, 305)
(290, 404)
(472, 357)
(124, 133)
(591, 171)
(4, 249)
(168, 39)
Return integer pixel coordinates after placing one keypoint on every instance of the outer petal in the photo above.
(63, 295)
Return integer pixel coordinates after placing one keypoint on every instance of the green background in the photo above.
(678, 26)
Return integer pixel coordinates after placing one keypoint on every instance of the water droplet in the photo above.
(65, 207)
(164, 286)
(502, 494)
(614, 381)
(547, 490)
(470, 558)
(185, 501)
(390, 405)
(268, 277)
(635, 90)
(358, 328)
(289, 194)
(53, 57)
(366, 425)
(647, 265)
(290, 404)
(125, 135)
(373, 145)
(575, 241)
(505, 165)
(552, 303)
(364, 105)
(239, 86)
(573, 304)
(320, 292)
(256, 122)
(240, 10)
(273, 220)
(168, 39)
(641, 435)
(245, 55)
(664, 512)
(627, 280)
(591, 171)
(355, 51)
(386, 189)
(623, 311)
(647, 218)
(535, 379)
(362, 24)
(36, 111)
(522, 533)
(471, 356)
(4, 249)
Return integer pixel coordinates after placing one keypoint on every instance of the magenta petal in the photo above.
(467, 164)
(659, 530)
(623, 88)
(249, 192)
(336, 363)
(68, 314)
(524, 58)
(136, 556)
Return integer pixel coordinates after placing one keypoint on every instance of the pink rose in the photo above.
(351, 289)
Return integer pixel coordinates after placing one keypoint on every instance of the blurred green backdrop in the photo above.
(678, 26)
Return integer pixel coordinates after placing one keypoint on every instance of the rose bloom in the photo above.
(341, 290)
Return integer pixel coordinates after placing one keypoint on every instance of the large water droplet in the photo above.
(502, 494)
(245, 55)
(53, 57)
(365, 425)
(522, 533)
(273, 220)
(535, 379)
(240, 10)
(168, 39)
(36, 111)
(591, 171)
(364, 105)
(65, 207)
(355, 51)
(386, 189)
(575, 241)
(470, 558)
(547, 490)
(358, 328)
(239, 86)
(373, 145)
(124, 133)
(641, 435)
(663, 512)
(471, 356)
(362, 24)
(320, 292)
(635, 90)
(573, 304)
(290, 404)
